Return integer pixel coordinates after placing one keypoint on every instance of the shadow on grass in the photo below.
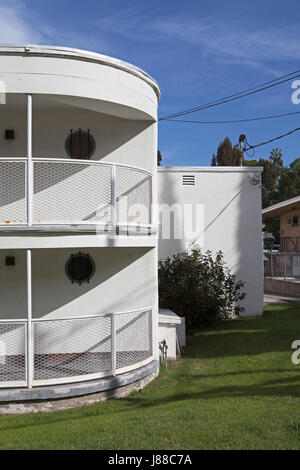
(272, 333)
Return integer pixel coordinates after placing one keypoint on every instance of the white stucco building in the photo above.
(79, 223)
(219, 208)
(78, 249)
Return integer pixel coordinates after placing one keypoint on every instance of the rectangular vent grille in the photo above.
(188, 180)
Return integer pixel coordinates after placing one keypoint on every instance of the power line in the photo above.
(235, 120)
(236, 96)
(271, 140)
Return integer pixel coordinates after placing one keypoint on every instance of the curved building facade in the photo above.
(78, 232)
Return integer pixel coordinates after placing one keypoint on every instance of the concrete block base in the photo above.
(63, 397)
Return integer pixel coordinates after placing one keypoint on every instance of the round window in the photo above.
(80, 268)
(80, 144)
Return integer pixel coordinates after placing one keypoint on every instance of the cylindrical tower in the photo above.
(78, 232)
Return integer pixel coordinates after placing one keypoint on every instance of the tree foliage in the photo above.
(199, 287)
(159, 157)
(227, 154)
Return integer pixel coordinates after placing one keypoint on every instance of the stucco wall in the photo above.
(117, 140)
(115, 91)
(229, 220)
(125, 279)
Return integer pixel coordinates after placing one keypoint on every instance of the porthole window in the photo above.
(80, 144)
(80, 268)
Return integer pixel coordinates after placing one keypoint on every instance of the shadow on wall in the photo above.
(169, 194)
(122, 281)
(51, 129)
(110, 133)
(232, 225)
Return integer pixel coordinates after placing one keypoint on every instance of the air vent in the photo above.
(188, 180)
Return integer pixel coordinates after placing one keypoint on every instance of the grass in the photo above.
(235, 388)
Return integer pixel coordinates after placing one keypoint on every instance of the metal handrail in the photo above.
(28, 197)
(114, 370)
(74, 160)
(78, 317)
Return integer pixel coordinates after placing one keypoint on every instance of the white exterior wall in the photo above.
(98, 82)
(124, 280)
(118, 103)
(130, 142)
(231, 207)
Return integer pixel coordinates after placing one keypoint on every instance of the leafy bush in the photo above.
(199, 287)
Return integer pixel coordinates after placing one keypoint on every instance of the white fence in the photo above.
(76, 192)
(74, 349)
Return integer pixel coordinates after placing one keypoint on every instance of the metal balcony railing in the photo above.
(65, 350)
(73, 192)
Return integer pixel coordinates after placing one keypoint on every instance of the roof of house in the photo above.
(210, 169)
(282, 207)
(79, 54)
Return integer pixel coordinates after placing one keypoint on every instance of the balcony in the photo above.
(57, 192)
(64, 350)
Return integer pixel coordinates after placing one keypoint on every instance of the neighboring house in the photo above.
(79, 223)
(224, 205)
(288, 212)
(282, 267)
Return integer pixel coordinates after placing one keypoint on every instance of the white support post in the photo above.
(29, 322)
(113, 345)
(29, 161)
(113, 196)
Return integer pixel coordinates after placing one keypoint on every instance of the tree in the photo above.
(271, 182)
(272, 170)
(227, 155)
(289, 183)
(276, 159)
(159, 157)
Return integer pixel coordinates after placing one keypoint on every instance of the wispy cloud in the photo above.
(17, 27)
(14, 29)
(248, 43)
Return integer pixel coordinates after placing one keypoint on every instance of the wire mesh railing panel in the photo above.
(70, 348)
(13, 193)
(133, 196)
(12, 352)
(66, 192)
(133, 338)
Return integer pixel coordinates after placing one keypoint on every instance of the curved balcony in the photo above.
(65, 350)
(63, 192)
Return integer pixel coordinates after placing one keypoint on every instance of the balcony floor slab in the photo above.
(58, 397)
(35, 240)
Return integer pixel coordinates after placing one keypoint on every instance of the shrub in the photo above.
(199, 287)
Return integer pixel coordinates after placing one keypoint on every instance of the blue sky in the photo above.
(198, 51)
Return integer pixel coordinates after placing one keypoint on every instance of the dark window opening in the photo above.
(80, 268)
(80, 144)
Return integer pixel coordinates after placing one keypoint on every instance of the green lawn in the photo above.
(236, 388)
